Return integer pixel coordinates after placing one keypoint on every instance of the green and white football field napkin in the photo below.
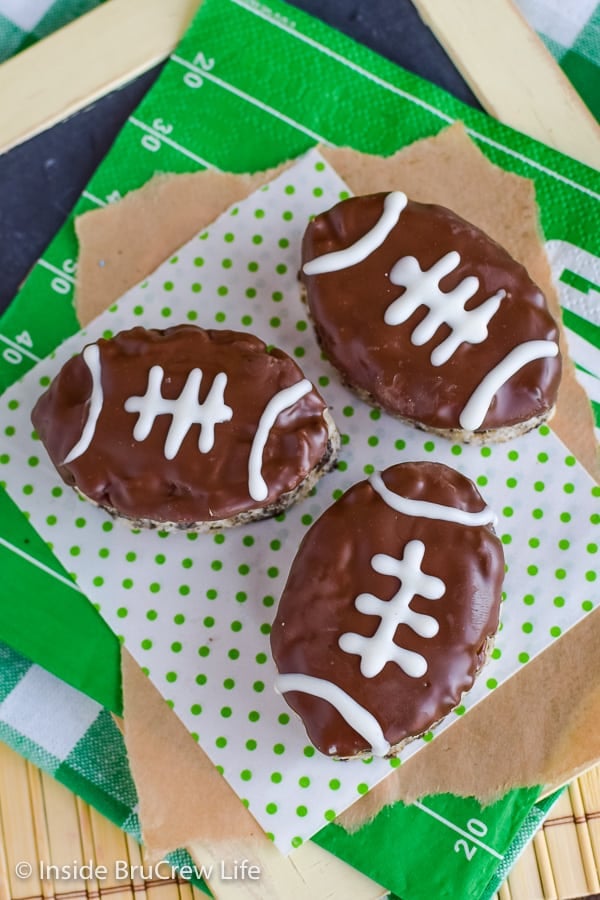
(196, 613)
(571, 34)
(577, 274)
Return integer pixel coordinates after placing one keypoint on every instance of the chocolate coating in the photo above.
(381, 362)
(133, 478)
(333, 566)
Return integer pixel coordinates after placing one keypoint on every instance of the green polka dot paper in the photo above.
(196, 610)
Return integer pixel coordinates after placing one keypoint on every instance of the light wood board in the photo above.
(90, 57)
(512, 74)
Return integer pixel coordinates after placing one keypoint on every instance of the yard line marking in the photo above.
(23, 350)
(453, 827)
(583, 352)
(40, 565)
(167, 140)
(532, 162)
(57, 271)
(327, 51)
(93, 199)
(250, 99)
(590, 383)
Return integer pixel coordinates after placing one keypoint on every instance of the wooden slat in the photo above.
(87, 843)
(524, 879)
(89, 57)
(563, 848)
(589, 784)
(17, 834)
(498, 54)
(277, 872)
(64, 839)
(40, 819)
(504, 892)
(109, 846)
(4, 861)
(542, 855)
(141, 890)
(39, 824)
(513, 74)
(583, 837)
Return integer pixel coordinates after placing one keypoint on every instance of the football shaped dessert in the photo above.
(427, 317)
(389, 610)
(186, 428)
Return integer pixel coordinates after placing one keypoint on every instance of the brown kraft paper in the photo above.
(538, 728)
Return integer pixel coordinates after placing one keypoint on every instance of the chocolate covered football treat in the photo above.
(389, 610)
(427, 317)
(186, 428)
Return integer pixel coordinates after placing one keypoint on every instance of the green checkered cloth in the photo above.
(572, 34)
(72, 738)
(25, 22)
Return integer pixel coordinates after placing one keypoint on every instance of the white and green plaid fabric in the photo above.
(571, 31)
(72, 738)
(24, 22)
(67, 735)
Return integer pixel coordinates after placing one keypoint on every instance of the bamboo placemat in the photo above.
(40, 820)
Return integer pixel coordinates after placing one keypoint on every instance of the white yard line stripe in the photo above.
(327, 51)
(167, 140)
(51, 268)
(96, 200)
(466, 834)
(23, 350)
(250, 99)
(533, 163)
(39, 565)
(583, 352)
(590, 384)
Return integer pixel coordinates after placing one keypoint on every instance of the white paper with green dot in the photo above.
(195, 611)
